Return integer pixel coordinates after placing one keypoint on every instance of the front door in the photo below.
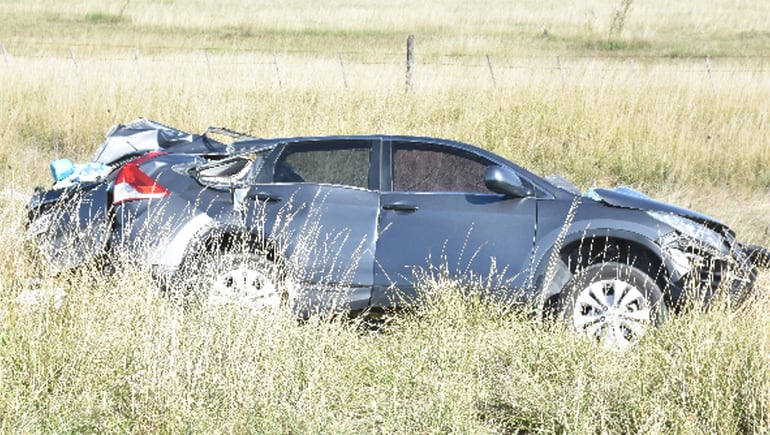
(439, 219)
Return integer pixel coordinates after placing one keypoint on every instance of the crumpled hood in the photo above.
(625, 197)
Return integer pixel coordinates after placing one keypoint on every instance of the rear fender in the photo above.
(71, 227)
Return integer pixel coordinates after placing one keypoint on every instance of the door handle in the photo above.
(400, 207)
(267, 197)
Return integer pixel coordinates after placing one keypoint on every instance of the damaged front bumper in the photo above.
(702, 269)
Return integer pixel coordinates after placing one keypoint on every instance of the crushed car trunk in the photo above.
(71, 221)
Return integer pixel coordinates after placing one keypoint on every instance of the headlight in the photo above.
(697, 232)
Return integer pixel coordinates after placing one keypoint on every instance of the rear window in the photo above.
(347, 166)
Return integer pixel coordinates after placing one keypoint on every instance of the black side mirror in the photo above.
(504, 181)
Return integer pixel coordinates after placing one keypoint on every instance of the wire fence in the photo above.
(495, 70)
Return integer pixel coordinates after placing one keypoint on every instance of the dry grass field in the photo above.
(672, 98)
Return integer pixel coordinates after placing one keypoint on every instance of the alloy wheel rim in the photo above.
(613, 311)
(244, 287)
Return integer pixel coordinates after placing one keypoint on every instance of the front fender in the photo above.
(552, 272)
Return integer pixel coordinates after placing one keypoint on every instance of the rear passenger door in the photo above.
(317, 202)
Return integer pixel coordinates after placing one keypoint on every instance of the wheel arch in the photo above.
(215, 240)
(582, 250)
(225, 239)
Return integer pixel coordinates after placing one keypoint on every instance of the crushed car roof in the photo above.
(143, 135)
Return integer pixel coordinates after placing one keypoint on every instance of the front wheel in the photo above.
(758, 255)
(613, 302)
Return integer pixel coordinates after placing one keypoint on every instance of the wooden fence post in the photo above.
(634, 72)
(711, 77)
(277, 71)
(342, 67)
(74, 60)
(491, 71)
(136, 62)
(409, 61)
(561, 71)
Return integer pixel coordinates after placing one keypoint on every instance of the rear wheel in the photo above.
(241, 279)
(613, 302)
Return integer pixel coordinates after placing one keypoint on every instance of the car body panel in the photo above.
(327, 234)
(480, 239)
(627, 198)
(143, 135)
(72, 226)
(358, 220)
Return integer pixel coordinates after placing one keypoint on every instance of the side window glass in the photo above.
(426, 168)
(324, 163)
(234, 171)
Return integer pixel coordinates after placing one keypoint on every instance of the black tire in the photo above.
(241, 279)
(758, 255)
(613, 302)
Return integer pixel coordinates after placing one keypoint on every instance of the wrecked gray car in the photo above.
(354, 222)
